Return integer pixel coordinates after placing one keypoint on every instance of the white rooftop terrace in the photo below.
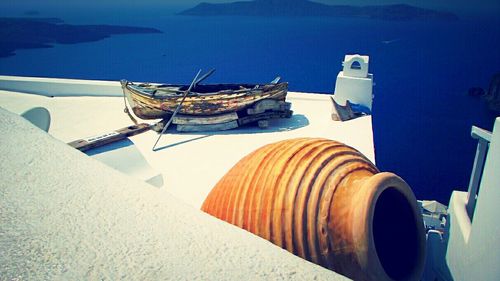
(65, 215)
(191, 163)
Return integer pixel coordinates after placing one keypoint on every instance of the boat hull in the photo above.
(148, 106)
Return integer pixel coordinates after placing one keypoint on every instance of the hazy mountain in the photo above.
(309, 8)
(28, 33)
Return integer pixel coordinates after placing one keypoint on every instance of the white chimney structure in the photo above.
(354, 83)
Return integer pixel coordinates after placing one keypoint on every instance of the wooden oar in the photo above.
(117, 135)
(203, 77)
(179, 107)
(100, 140)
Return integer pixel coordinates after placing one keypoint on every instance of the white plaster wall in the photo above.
(356, 90)
(474, 248)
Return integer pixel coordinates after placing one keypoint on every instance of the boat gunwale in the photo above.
(264, 88)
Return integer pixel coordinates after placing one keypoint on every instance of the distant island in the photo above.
(29, 33)
(298, 8)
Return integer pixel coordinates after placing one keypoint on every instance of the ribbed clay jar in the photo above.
(327, 203)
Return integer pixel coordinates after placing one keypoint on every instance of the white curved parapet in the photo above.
(65, 216)
(354, 83)
(38, 116)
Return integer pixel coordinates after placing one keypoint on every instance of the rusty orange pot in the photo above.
(327, 203)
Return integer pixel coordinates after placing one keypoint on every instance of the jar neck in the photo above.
(383, 236)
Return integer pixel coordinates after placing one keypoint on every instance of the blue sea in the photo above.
(422, 115)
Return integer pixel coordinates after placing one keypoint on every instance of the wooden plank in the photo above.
(208, 127)
(204, 120)
(263, 116)
(263, 123)
(100, 140)
(263, 106)
(286, 106)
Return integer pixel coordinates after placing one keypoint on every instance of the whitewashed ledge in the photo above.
(60, 87)
(64, 216)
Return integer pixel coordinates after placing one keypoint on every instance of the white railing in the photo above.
(483, 142)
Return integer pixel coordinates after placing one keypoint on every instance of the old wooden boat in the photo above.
(153, 101)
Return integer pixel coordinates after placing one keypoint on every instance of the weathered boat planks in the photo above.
(159, 101)
(204, 120)
(208, 127)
